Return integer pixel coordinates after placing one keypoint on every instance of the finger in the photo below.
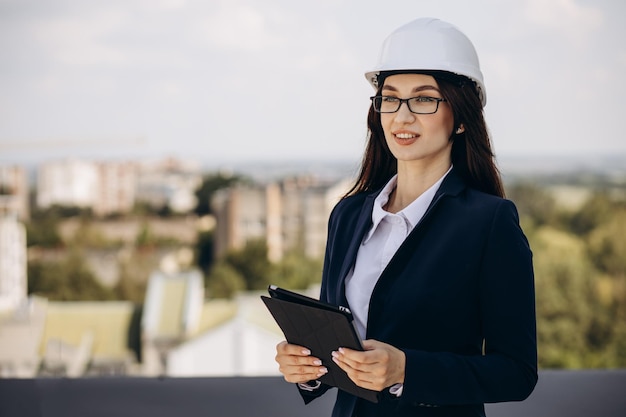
(286, 348)
(301, 373)
(293, 360)
(361, 378)
(358, 359)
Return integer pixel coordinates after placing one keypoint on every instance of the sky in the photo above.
(282, 80)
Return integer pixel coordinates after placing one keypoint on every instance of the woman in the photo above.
(424, 249)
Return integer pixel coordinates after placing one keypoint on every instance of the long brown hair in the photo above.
(472, 155)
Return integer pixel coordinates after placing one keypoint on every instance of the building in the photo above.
(170, 183)
(104, 187)
(242, 343)
(13, 280)
(21, 334)
(115, 188)
(248, 212)
(292, 214)
(70, 183)
(171, 313)
(14, 192)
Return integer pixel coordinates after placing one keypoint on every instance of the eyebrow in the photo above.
(415, 90)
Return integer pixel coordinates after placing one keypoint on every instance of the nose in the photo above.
(404, 115)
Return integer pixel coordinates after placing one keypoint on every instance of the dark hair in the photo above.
(472, 155)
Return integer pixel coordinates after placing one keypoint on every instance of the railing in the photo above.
(588, 393)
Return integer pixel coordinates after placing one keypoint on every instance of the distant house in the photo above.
(243, 345)
(184, 335)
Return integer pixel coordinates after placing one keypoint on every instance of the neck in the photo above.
(413, 181)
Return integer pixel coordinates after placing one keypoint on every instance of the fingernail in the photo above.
(306, 352)
(323, 370)
(334, 354)
(317, 362)
(335, 360)
(341, 350)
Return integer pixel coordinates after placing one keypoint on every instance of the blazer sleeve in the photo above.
(507, 370)
(310, 395)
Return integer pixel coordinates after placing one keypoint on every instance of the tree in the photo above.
(43, 232)
(607, 244)
(596, 210)
(581, 312)
(67, 280)
(297, 271)
(533, 202)
(224, 281)
(253, 264)
(210, 184)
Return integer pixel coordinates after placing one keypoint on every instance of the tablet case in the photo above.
(320, 327)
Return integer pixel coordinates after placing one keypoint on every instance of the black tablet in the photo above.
(320, 327)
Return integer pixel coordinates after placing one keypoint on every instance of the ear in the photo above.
(460, 129)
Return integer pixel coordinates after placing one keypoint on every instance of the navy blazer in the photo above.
(457, 297)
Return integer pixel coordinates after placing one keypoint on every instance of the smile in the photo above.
(405, 135)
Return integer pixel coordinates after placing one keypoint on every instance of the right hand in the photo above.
(296, 363)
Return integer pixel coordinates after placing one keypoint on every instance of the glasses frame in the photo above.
(406, 100)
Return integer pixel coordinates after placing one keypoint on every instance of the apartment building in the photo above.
(14, 191)
(105, 187)
(169, 183)
(69, 182)
(289, 214)
(13, 280)
(248, 212)
(117, 182)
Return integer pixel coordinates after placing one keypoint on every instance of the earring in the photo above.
(460, 130)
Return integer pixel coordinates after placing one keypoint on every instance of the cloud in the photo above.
(565, 17)
(77, 41)
(245, 27)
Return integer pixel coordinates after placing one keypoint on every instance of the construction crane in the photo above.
(42, 144)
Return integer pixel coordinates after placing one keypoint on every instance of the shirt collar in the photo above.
(412, 213)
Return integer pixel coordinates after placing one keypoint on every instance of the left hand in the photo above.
(379, 366)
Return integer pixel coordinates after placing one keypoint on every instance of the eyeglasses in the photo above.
(417, 105)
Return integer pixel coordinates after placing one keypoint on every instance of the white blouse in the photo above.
(387, 233)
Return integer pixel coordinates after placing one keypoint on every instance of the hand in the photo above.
(296, 363)
(378, 367)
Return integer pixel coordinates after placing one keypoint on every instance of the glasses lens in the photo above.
(384, 104)
(423, 105)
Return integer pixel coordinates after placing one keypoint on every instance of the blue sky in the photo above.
(237, 80)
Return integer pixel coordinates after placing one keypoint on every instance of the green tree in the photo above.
(607, 249)
(533, 202)
(43, 232)
(596, 210)
(253, 264)
(224, 281)
(210, 184)
(607, 244)
(564, 291)
(297, 271)
(67, 280)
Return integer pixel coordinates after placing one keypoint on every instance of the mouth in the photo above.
(405, 135)
(405, 138)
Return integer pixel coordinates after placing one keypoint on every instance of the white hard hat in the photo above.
(429, 45)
